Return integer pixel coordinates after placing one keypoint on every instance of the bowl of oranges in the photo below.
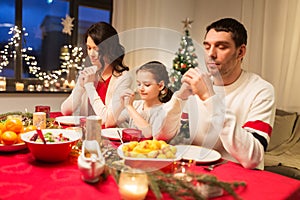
(11, 130)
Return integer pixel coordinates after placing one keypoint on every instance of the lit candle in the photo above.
(72, 84)
(65, 84)
(46, 84)
(30, 87)
(181, 169)
(133, 184)
(57, 85)
(2, 83)
(39, 87)
(19, 86)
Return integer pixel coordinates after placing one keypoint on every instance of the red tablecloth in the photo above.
(21, 177)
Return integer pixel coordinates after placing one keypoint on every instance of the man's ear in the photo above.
(242, 51)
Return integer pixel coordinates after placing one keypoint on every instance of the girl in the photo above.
(151, 114)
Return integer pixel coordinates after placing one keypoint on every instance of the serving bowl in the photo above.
(149, 164)
(51, 151)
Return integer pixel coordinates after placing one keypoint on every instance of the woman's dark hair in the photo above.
(238, 31)
(160, 73)
(107, 40)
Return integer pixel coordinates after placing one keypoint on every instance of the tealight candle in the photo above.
(2, 83)
(72, 84)
(39, 88)
(30, 88)
(65, 84)
(181, 170)
(19, 86)
(133, 184)
(57, 85)
(46, 84)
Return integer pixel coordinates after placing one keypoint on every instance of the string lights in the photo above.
(71, 57)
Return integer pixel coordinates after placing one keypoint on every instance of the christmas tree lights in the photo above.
(185, 57)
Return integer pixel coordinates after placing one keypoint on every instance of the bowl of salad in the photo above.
(58, 144)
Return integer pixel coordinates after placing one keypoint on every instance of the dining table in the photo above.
(24, 177)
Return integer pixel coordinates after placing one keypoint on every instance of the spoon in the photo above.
(39, 132)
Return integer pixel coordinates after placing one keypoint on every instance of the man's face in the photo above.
(222, 56)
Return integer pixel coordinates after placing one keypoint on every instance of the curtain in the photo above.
(273, 35)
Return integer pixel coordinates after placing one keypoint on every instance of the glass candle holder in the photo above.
(133, 184)
(45, 109)
(30, 88)
(2, 83)
(39, 119)
(131, 134)
(19, 86)
(182, 168)
(39, 88)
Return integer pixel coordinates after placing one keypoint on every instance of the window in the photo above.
(6, 22)
(38, 52)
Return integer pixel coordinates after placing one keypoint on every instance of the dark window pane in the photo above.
(88, 16)
(42, 21)
(7, 22)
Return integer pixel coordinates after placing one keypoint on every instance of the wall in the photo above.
(273, 48)
(20, 102)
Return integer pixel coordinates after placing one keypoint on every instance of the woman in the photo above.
(151, 114)
(94, 89)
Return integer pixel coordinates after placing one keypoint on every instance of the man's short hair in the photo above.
(238, 31)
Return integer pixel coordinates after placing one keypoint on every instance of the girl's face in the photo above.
(148, 88)
(93, 51)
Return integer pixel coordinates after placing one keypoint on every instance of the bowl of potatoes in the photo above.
(148, 155)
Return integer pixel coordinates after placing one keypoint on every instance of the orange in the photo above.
(29, 128)
(19, 140)
(2, 127)
(14, 125)
(9, 137)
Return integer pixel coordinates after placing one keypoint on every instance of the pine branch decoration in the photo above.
(182, 189)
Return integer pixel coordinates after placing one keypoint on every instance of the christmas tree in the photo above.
(185, 57)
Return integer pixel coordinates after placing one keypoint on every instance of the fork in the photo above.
(120, 136)
(59, 126)
(211, 167)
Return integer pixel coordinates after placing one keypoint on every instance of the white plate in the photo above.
(198, 153)
(69, 120)
(111, 133)
(148, 164)
(11, 148)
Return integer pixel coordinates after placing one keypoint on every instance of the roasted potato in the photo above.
(149, 149)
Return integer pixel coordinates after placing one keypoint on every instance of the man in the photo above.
(230, 110)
